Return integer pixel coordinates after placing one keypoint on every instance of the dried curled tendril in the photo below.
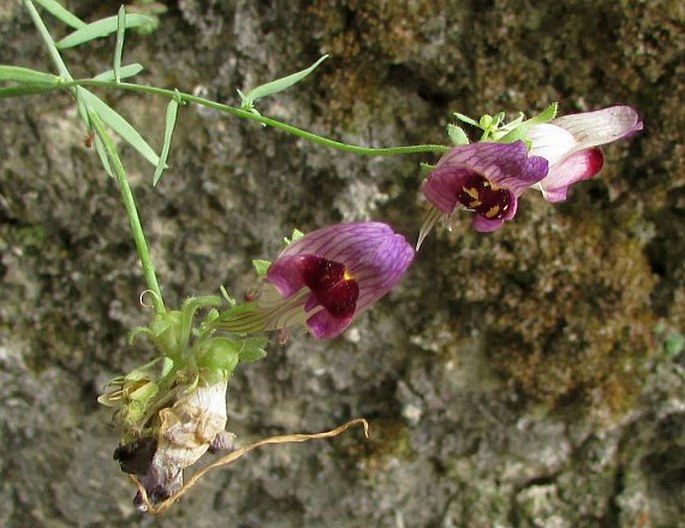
(238, 453)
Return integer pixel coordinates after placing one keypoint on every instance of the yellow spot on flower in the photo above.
(472, 192)
(492, 212)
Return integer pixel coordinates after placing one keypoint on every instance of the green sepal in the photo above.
(219, 353)
(297, 234)
(466, 119)
(520, 130)
(227, 296)
(457, 135)
(261, 267)
(425, 169)
(253, 349)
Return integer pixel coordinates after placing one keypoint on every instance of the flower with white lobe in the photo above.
(569, 143)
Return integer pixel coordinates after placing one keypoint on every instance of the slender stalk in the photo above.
(310, 136)
(49, 42)
(120, 173)
(132, 212)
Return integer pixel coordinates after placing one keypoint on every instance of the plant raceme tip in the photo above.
(550, 155)
(569, 144)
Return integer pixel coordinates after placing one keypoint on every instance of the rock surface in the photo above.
(531, 377)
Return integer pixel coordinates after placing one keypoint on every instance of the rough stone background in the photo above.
(530, 377)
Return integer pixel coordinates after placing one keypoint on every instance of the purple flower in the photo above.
(486, 178)
(326, 278)
(569, 144)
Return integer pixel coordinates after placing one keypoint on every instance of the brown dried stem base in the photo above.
(238, 453)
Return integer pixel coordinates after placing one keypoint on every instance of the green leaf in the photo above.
(124, 72)
(171, 113)
(425, 169)
(546, 115)
(26, 75)
(297, 234)
(220, 353)
(227, 297)
(122, 127)
(675, 344)
(521, 131)
(104, 27)
(253, 349)
(457, 135)
(261, 266)
(59, 12)
(102, 154)
(247, 100)
(466, 119)
(119, 46)
(25, 89)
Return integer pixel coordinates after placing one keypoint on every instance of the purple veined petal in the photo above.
(507, 165)
(441, 187)
(579, 166)
(486, 178)
(322, 325)
(285, 275)
(591, 129)
(345, 268)
(382, 270)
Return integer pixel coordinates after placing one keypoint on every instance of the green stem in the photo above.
(244, 114)
(132, 212)
(126, 193)
(49, 42)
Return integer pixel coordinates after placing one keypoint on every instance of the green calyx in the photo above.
(193, 352)
(495, 129)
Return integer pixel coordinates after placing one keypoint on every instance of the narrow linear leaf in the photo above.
(26, 89)
(466, 119)
(119, 46)
(61, 13)
(82, 106)
(119, 124)
(170, 124)
(26, 75)
(278, 85)
(124, 72)
(102, 154)
(103, 28)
